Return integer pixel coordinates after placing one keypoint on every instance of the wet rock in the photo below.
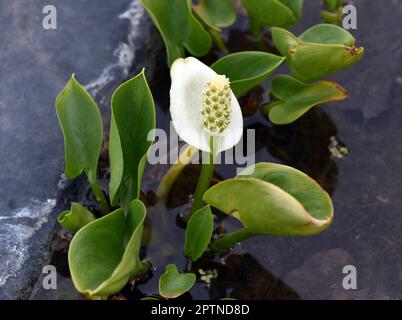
(319, 275)
(100, 43)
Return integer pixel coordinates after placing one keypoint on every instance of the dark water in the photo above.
(366, 185)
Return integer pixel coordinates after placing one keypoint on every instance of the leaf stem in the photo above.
(266, 109)
(204, 181)
(171, 175)
(100, 197)
(219, 42)
(231, 239)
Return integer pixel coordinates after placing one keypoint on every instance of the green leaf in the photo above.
(333, 17)
(274, 199)
(198, 233)
(247, 69)
(334, 4)
(75, 218)
(82, 128)
(273, 13)
(296, 98)
(328, 34)
(318, 52)
(173, 284)
(104, 254)
(216, 14)
(133, 117)
(179, 28)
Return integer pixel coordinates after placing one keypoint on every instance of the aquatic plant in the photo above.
(267, 198)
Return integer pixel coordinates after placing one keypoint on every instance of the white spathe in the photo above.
(189, 80)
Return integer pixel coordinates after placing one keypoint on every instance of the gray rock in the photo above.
(98, 40)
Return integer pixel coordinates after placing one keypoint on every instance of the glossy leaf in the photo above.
(318, 52)
(273, 13)
(75, 218)
(247, 69)
(133, 116)
(328, 34)
(274, 199)
(296, 98)
(179, 28)
(104, 254)
(173, 284)
(216, 14)
(82, 128)
(198, 233)
(334, 4)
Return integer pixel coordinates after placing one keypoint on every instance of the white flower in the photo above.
(203, 105)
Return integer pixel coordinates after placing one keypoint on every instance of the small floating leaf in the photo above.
(247, 69)
(198, 233)
(318, 52)
(82, 128)
(104, 254)
(173, 284)
(275, 200)
(75, 218)
(179, 28)
(296, 98)
(216, 14)
(133, 117)
(273, 13)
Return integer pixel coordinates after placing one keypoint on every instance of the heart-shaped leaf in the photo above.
(273, 13)
(216, 14)
(274, 199)
(104, 254)
(133, 117)
(247, 69)
(318, 52)
(179, 28)
(296, 98)
(82, 128)
(173, 284)
(198, 233)
(75, 218)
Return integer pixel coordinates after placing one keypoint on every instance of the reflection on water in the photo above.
(303, 145)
